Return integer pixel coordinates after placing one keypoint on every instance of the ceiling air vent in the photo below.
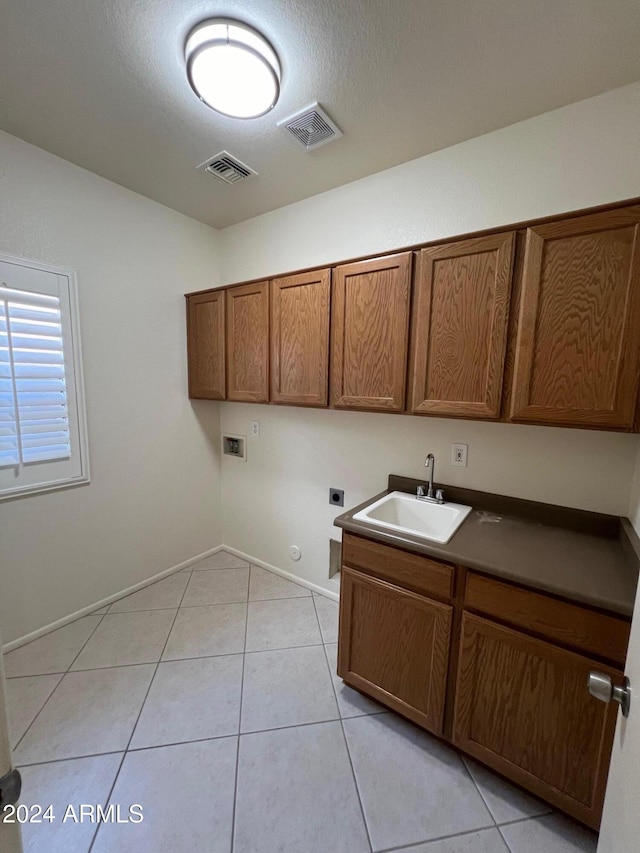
(312, 127)
(227, 168)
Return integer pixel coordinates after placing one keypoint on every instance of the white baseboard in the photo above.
(34, 635)
(334, 596)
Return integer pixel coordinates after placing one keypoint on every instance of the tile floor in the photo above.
(210, 698)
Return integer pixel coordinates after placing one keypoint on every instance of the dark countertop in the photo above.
(581, 556)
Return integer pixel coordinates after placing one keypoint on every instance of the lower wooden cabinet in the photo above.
(522, 707)
(394, 645)
(496, 669)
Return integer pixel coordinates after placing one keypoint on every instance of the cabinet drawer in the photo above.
(410, 571)
(569, 624)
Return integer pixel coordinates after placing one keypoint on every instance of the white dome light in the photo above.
(232, 68)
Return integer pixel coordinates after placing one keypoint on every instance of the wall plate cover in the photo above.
(459, 455)
(336, 497)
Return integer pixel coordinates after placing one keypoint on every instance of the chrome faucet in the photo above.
(438, 498)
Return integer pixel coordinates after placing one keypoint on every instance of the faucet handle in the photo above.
(440, 496)
(420, 491)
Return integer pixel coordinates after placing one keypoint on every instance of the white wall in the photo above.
(578, 156)
(154, 497)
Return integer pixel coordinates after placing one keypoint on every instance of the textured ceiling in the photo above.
(102, 84)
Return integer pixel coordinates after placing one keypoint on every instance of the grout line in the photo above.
(414, 844)
(183, 742)
(138, 610)
(65, 673)
(70, 758)
(85, 644)
(106, 799)
(235, 784)
(506, 843)
(60, 672)
(146, 696)
(49, 695)
(247, 601)
(213, 737)
(344, 734)
(478, 789)
(355, 782)
(177, 660)
(195, 606)
(531, 817)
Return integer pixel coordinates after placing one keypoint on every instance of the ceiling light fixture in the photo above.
(232, 68)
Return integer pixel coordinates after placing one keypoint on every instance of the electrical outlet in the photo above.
(459, 455)
(255, 427)
(336, 497)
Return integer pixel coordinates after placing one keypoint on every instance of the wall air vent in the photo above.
(227, 168)
(312, 127)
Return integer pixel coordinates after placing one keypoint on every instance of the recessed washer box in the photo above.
(234, 445)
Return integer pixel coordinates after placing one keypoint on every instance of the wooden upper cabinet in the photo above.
(248, 342)
(300, 338)
(459, 326)
(369, 333)
(205, 345)
(578, 346)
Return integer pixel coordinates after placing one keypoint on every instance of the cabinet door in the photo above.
(300, 338)
(369, 329)
(394, 645)
(205, 345)
(578, 348)
(459, 327)
(248, 342)
(522, 707)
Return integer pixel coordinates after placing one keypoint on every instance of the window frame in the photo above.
(73, 358)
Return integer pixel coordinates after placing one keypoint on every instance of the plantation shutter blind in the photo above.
(34, 417)
(41, 426)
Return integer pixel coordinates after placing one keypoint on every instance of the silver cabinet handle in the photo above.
(601, 686)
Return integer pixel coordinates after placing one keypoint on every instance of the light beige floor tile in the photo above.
(296, 793)
(282, 624)
(413, 787)
(127, 638)
(220, 586)
(64, 783)
(89, 712)
(217, 629)
(221, 560)
(350, 702)
(191, 700)
(187, 795)
(52, 653)
(265, 585)
(166, 593)
(25, 698)
(550, 834)
(504, 801)
(485, 841)
(286, 688)
(327, 611)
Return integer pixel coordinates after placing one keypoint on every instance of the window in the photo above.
(42, 421)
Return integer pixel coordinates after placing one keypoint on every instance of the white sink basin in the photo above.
(404, 513)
